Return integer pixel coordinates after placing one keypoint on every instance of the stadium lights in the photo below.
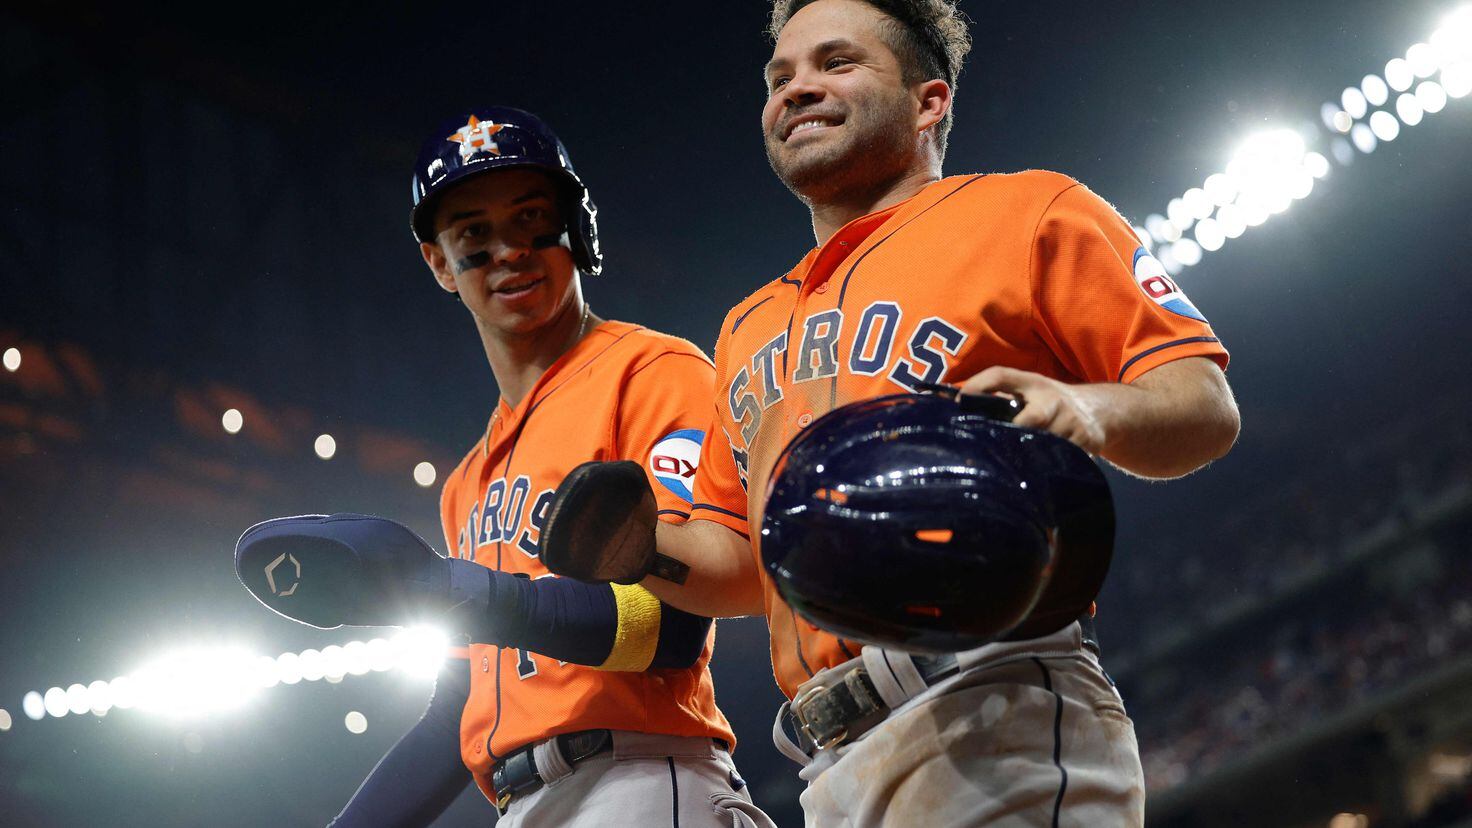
(424, 474)
(202, 681)
(232, 420)
(325, 446)
(12, 359)
(1275, 168)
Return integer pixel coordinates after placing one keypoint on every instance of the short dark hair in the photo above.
(928, 36)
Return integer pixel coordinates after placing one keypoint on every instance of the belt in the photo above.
(517, 774)
(823, 716)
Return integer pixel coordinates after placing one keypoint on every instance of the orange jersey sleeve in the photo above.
(720, 484)
(1106, 308)
(662, 422)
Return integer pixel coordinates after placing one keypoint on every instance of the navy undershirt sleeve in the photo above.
(422, 773)
(577, 622)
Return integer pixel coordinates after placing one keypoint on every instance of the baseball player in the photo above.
(1025, 285)
(578, 704)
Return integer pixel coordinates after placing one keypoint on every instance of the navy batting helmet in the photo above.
(495, 138)
(913, 522)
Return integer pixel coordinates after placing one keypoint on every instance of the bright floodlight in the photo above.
(1342, 121)
(1454, 39)
(1316, 165)
(1167, 258)
(424, 473)
(124, 692)
(1363, 138)
(1408, 107)
(1229, 218)
(1187, 252)
(312, 666)
(1422, 59)
(1343, 152)
(420, 651)
(1456, 79)
(355, 722)
(194, 682)
(99, 697)
(380, 655)
(232, 420)
(5, 720)
(1354, 103)
(55, 702)
(1254, 211)
(1399, 75)
(12, 359)
(1221, 188)
(334, 663)
(76, 699)
(1155, 224)
(1432, 97)
(264, 671)
(1385, 125)
(1209, 235)
(1198, 203)
(1375, 90)
(1172, 232)
(359, 661)
(325, 446)
(1179, 214)
(289, 667)
(33, 706)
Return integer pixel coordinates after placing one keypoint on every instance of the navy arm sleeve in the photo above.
(598, 625)
(422, 773)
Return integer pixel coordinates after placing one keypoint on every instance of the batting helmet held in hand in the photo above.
(495, 138)
(913, 522)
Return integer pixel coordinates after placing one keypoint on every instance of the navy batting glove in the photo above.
(357, 570)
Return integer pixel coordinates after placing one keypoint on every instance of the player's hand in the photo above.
(357, 570)
(1068, 411)
(600, 527)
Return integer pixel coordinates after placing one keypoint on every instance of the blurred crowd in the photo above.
(1340, 640)
(1303, 523)
(1303, 674)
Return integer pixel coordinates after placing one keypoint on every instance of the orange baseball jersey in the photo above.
(1031, 271)
(622, 393)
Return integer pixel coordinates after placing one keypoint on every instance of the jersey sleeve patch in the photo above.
(673, 461)
(1150, 275)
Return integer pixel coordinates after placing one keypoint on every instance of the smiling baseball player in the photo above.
(578, 704)
(1024, 285)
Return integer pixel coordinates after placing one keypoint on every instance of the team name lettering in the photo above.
(927, 354)
(501, 515)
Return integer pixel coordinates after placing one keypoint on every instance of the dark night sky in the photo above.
(288, 269)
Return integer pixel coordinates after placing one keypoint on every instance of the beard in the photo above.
(876, 147)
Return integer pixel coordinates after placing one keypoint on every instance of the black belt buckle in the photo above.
(517, 773)
(513, 775)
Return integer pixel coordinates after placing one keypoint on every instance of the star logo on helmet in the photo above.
(476, 137)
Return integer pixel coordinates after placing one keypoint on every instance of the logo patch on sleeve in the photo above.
(673, 461)
(1150, 275)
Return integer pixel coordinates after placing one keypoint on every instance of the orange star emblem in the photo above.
(476, 136)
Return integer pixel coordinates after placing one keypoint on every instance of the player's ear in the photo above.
(934, 99)
(434, 256)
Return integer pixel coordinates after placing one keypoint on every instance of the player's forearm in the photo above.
(607, 626)
(1170, 422)
(723, 580)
